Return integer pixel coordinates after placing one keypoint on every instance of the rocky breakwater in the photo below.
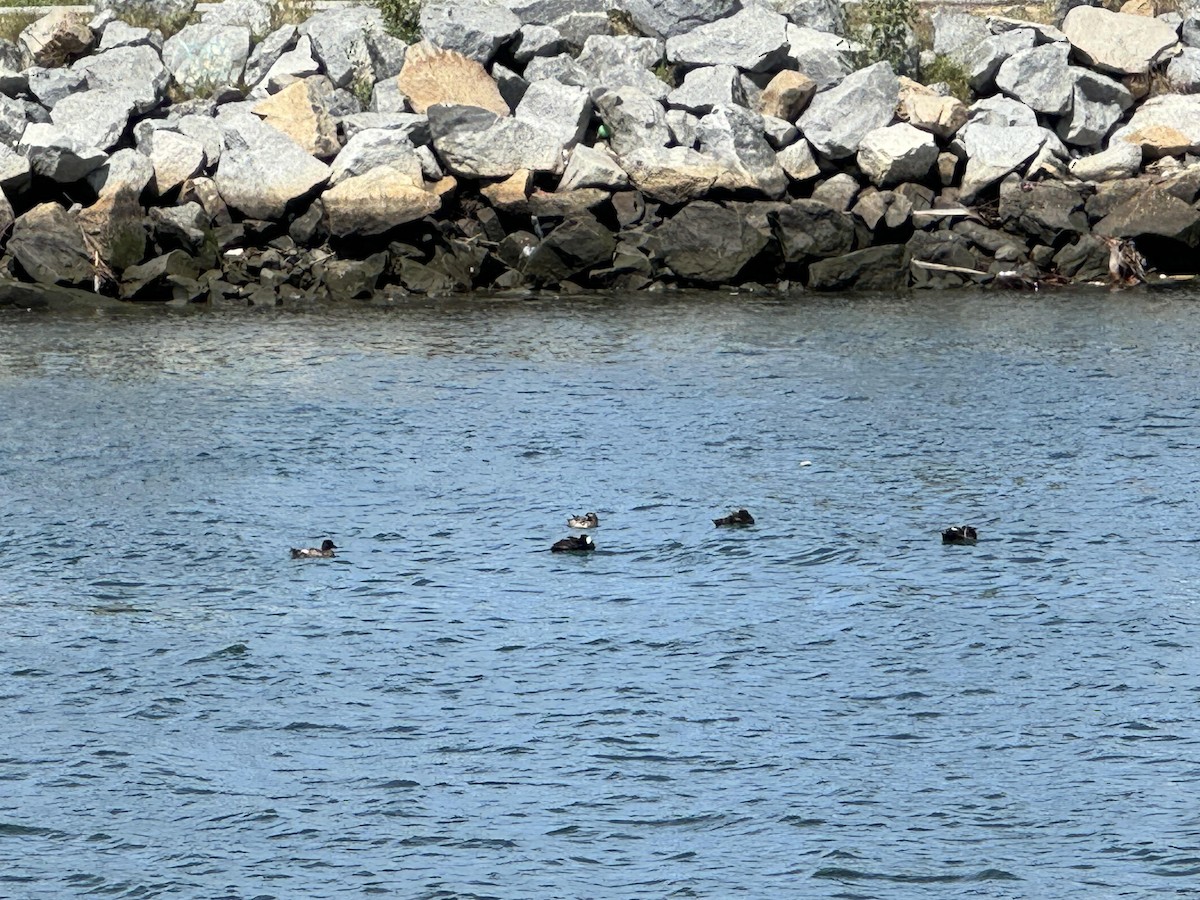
(591, 144)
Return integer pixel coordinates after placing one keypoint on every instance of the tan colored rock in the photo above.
(377, 201)
(432, 75)
(942, 116)
(301, 112)
(511, 194)
(55, 39)
(672, 174)
(1139, 8)
(787, 95)
(1167, 125)
(114, 229)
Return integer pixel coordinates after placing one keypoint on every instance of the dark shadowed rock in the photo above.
(810, 229)
(1047, 211)
(710, 243)
(48, 244)
(872, 269)
(580, 243)
(1153, 213)
(348, 279)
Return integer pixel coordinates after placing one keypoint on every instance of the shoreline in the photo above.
(330, 161)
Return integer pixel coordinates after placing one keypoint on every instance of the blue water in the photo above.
(828, 704)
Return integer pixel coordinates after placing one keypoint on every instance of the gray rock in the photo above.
(175, 158)
(592, 167)
(956, 34)
(268, 51)
(1097, 105)
(821, 56)
(476, 143)
(126, 170)
(387, 54)
(118, 34)
(13, 80)
(372, 148)
(1046, 34)
(668, 18)
(387, 98)
(96, 118)
(55, 155)
(754, 39)
(130, 69)
(798, 162)
(994, 151)
(822, 15)
(48, 244)
(293, 65)
(14, 171)
(1189, 31)
(983, 60)
(1183, 72)
(1040, 78)
(203, 57)
(1000, 111)
(253, 14)
(634, 120)
(512, 86)
(779, 132)
(1120, 160)
(537, 40)
(560, 109)
(897, 153)
(1117, 42)
(262, 170)
(410, 127)
(836, 120)
(205, 131)
(575, 20)
(733, 135)
(182, 227)
(13, 121)
(338, 43)
(710, 243)
(682, 125)
(622, 61)
(349, 279)
(476, 29)
(706, 87)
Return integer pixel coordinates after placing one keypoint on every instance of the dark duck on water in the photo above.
(963, 535)
(573, 544)
(741, 517)
(325, 551)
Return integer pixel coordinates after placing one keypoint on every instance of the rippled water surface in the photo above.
(828, 704)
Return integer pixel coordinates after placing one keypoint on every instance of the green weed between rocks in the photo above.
(951, 73)
(12, 24)
(882, 29)
(290, 12)
(401, 18)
